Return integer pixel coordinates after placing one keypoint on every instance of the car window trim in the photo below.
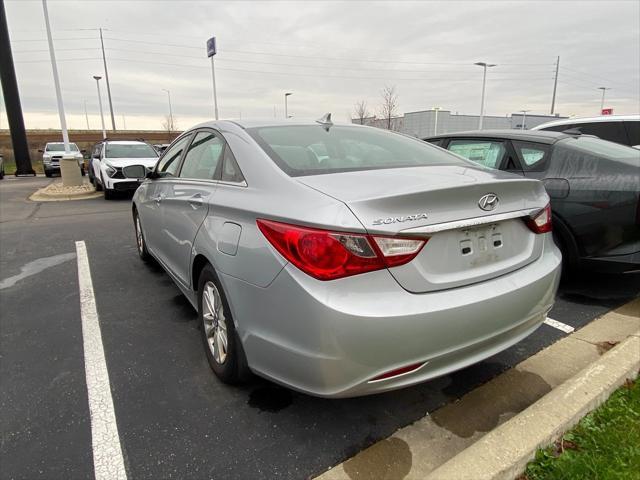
(188, 144)
(225, 145)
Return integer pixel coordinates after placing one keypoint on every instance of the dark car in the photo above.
(594, 187)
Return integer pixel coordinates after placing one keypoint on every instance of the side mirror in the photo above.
(83, 151)
(97, 155)
(134, 171)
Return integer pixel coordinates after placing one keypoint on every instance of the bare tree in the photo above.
(389, 108)
(170, 125)
(361, 111)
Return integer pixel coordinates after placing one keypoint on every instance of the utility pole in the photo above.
(12, 100)
(86, 115)
(484, 65)
(435, 124)
(171, 126)
(106, 77)
(124, 122)
(555, 86)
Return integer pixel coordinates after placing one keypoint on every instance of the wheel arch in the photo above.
(563, 231)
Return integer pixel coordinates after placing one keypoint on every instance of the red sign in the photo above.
(607, 111)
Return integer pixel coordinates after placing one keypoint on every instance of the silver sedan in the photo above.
(343, 260)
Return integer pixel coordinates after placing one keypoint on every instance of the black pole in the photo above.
(12, 100)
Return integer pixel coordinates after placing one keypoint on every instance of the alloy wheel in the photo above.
(214, 322)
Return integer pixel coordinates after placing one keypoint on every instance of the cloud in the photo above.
(330, 54)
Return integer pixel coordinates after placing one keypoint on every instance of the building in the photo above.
(431, 122)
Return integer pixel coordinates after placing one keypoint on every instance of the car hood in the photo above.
(124, 162)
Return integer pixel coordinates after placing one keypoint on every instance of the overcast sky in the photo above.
(330, 54)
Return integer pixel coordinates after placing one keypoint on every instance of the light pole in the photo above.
(211, 52)
(435, 125)
(170, 111)
(286, 107)
(97, 79)
(484, 65)
(604, 89)
(524, 118)
(68, 167)
(86, 115)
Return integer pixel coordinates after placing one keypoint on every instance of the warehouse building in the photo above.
(431, 122)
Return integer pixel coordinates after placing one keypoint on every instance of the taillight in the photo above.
(541, 223)
(327, 255)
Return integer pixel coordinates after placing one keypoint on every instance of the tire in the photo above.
(140, 241)
(82, 172)
(97, 184)
(108, 193)
(48, 173)
(214, 315)
(2, 173)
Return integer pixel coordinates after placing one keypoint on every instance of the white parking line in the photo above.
(559, 325)
(108, 463)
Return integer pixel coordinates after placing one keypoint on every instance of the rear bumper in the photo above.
(332, 338)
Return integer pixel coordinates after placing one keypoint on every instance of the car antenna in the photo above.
(325, 121)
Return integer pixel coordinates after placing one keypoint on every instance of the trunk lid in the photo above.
(431, 202)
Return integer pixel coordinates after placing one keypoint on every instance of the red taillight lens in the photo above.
(327, 255)
(541, 223)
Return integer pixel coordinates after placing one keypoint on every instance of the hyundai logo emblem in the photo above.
(488, 202)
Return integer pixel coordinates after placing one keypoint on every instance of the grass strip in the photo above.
(604, 445)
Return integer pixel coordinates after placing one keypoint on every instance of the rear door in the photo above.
(186, 198)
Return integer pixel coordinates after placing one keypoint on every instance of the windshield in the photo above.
(602, 148)
(59, 147)
(311, 150)
(133, 150)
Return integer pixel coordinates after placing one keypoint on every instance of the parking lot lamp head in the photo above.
(484, 65)
(286, 108)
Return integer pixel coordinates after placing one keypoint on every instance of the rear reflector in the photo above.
(328, 255)
(398, 371)
(541, 223)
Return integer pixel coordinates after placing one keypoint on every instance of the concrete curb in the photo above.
(43, 195)
(504, 452)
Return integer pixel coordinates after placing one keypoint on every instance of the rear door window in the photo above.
(488, 153)
(533, 156)
(202, 159)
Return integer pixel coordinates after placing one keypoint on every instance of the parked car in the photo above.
(52, 154)
(1, 166)
(594, 187)
(377, 263)
(109, 159)
(624, 129)
(161, 147)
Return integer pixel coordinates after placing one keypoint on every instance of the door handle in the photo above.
(196, 200)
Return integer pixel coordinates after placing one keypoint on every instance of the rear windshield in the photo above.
(134, 150)
(59, 147)
(311, 150)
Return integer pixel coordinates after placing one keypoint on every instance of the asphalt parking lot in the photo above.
(174, 419)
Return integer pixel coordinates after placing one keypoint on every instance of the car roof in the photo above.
(267, 122)
(598, 119)
(126, 142)
(523, 135)
(60, 143)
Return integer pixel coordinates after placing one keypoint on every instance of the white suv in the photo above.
(110, 157)
(52, 154)
(624, 129)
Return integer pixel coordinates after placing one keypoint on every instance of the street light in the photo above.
(170, 111)
(524, 118)
(97, 79)
(604, 89)
(484, 65)
(286, 109)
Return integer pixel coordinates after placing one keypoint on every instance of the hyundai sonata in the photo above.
(343, 260)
